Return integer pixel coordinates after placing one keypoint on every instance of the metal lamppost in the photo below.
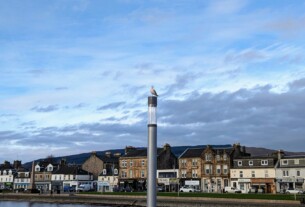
(152, 152)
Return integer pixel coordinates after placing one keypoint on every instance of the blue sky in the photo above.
(75, 74)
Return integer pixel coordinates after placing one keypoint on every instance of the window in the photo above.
(285, 173)
(194, 173)
(284, 162)
(208, 169)
(298, 173)
(142, 173)
(296, 162)
(250, 162)
(143, 162)
(130, 174)
(225, 157)
(131, 163)
(124, 163)
(218, 169)
(239, 163)
(264, 162)
(266, 174)
(225, 169)
(253, 174)
(104, 171)
(115, 171)
(217, 157)
(194, 162)
(183, 163)
(183, 173)
(241, 174)
(208, 157)
(124, 174)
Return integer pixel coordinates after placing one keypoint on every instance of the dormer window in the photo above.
(284, 162)
(217, 157)
(264, 162)
(104, 171)
(50, 168)
(115, 171)
(240, 163)
(208, 157)
(26, 174)
(37, 168)
(250, 162)
(225, 157)
(10, 172)
(4, 172)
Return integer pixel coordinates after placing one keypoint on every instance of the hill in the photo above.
(177, 150)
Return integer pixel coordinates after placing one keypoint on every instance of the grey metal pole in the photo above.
(152, 152)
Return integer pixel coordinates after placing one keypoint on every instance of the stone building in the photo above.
(133, 166)
(95, 164)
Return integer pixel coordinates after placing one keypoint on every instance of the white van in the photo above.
(232, 190)
(84, 187)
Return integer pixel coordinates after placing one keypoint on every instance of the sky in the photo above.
(75, 74)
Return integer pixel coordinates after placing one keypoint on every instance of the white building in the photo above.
(108, 180)
(22, 180)
(256, 173)
(290, 173)
(70, 177)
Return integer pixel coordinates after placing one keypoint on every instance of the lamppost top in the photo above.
(152, 101)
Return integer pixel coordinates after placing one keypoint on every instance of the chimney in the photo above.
(129, 149)
(280, 154)
(117, 154)
(244, 149)
(108, 154)
(166, 147)
(17, 164)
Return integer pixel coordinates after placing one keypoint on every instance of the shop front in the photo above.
(263, 185)
(131, 185)
(244, 185)
(289, 183)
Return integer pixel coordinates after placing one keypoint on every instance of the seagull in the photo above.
(153, 91)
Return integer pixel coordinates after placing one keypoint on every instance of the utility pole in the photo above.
(152, 152)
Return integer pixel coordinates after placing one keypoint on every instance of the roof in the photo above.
(141, 152)
(109, 159)
(293, 156)
(188, 153)
(256, 157)
(71, 170)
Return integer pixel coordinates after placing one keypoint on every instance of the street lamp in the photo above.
(152, 152)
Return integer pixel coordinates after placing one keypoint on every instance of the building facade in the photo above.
(133, 166)
(290, 173)
(254, 174)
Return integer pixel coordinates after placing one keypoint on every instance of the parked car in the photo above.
(232, 190)
(161, 188)
(293, 191)
(187, 189)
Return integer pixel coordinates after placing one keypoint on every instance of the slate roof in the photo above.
(189, 153)
(71, 170)
(293, 156)
(141, 152)
(111, 159)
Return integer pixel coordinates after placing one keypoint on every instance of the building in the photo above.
(43, 173)
(108, 180)
(254, 174)
(8, 173)
(290, 172)
(95, 164)
(133, 166)
(22, 179)
(208, 168)
(70, 177)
